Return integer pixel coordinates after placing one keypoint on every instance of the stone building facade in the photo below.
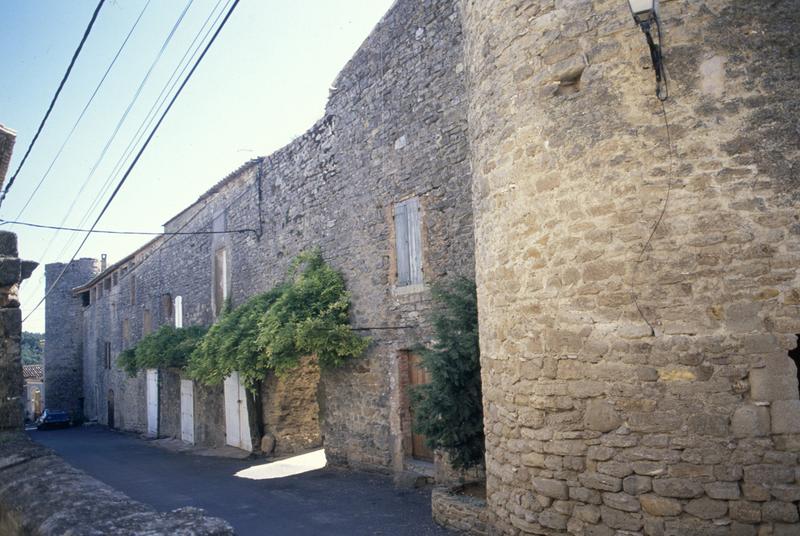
(639, 297)
(637, 307)
(394, 134)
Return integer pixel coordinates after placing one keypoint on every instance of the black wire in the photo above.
(139, 233)
(53, 101)
(138, 155)
(119, 124)
(83, 112)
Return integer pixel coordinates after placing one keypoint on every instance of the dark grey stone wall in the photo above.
(63, 353)
(395, 127)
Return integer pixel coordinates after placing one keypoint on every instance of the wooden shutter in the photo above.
(408, 235)
(402, 244)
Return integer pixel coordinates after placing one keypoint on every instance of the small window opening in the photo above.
(133, 289)
(86, 299)
(569, 83)
(107, 355)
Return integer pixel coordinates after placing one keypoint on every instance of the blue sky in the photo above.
(264, 81)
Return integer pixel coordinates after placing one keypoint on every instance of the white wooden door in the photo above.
(187, 411)
(152, 402)
(237, 425)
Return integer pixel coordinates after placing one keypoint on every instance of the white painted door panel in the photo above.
(152, 402)
(187, 411)
(237, 425)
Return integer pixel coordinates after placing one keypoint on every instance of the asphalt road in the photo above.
(329, 502)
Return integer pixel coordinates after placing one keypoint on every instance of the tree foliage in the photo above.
(230, 344)
(449, 410)
(32, 348)
(169, 347)
(308, 314)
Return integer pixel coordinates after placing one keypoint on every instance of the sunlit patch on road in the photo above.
(296, 465)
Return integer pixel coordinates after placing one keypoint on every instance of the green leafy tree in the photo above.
(311, 316)
(168, 347)
(230, 344)
(306, 315)
(449, 409)
(32, 348)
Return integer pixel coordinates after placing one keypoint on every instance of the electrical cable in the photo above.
(52, 101)
(672, 158)
(83, 112)
(139, 233)
(124, 116)
(143, 126)
(139, 154)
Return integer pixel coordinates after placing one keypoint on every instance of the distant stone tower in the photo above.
(63, 354)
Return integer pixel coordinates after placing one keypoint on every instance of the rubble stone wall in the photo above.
(395, 127)
(637, 307)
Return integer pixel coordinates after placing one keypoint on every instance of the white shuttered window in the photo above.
(408, 238)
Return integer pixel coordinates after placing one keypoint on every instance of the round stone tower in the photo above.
(63, 351)
(637, 267)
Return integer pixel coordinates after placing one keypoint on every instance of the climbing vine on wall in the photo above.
(449, 409)
(169, 347)
(306, 315)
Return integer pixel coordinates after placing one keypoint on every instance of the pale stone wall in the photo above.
(679, 416)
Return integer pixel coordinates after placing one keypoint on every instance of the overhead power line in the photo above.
(83, 112)
(138, 155)
(52, 101)
(139, 233)
(122, 119)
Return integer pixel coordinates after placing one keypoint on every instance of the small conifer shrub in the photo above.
(448, 411)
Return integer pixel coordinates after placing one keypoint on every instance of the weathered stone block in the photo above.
(617, 469)
(744, 511)
(587, 512)
(585, 495)
(600, 481)
(556, 489)
(707, 508)
(617, 519)
(768, 474)
(677, 487)
(600, 453)
(10, 271)
(553, 520)
(750, 421)
(660, 506)
(779, 511)
(722, 490)
(766, 385)
(785, 417)
(755, 492)
(636, 485)
(621, 501)
(8, 244)
(786, 492)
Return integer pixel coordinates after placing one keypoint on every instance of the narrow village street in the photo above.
(320, 502)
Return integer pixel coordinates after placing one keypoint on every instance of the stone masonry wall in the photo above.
(63, 354)
(636, 385)
(395, 127)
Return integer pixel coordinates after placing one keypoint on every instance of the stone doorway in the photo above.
(110, 414)
(411, 375)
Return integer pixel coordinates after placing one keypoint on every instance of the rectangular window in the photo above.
(126, 330)
(133, 289)
(107, 283)
(115, 279)
(220, 279)
(107, 355)
(147, 322)
(408, 242)
(166, 306)
(178, 311)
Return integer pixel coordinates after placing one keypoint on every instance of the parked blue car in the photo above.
(53, 418)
